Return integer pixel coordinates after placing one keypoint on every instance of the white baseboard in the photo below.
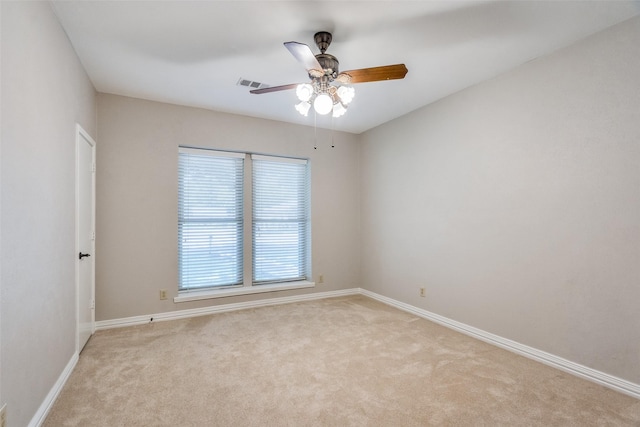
(48, 402)
(565, 365)
(182, 314)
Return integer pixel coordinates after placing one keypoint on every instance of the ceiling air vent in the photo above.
(251, 84)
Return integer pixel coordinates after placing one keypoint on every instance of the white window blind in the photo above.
(210, 218)
(281, 219)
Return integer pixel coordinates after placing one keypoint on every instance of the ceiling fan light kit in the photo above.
(324, 97)
(329, 90)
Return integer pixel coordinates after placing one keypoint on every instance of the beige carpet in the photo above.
(334, 362)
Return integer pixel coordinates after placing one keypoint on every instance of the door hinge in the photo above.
(93, 235)
(93, 167)
(92, 304)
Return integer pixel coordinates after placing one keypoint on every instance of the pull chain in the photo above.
(332, 143)
(315, 130)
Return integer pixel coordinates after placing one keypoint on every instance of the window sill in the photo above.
(247, 290)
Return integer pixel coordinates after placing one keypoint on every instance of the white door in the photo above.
(85, 236)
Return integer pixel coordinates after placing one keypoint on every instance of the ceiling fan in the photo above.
(329, 90)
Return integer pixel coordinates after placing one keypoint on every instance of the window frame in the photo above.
(248, 286)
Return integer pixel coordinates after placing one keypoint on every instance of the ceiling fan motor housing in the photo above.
(329, 64)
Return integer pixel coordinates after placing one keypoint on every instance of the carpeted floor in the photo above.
(333, 362)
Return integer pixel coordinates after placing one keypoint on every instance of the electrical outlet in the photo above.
(3, 416)
(321, 278)
(423, 292)
(163, 294)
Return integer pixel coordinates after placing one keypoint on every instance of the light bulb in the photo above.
(304, 92)
(303, 108)
(346, 94)
(338, 109)
(323, 104)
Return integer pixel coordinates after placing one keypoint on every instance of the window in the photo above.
(210, 219)
(214, 217)
(281, 222)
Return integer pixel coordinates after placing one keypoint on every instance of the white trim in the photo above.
(210, 152)
(565, 365)
(45, 407)
(279, 159)
(182, 314)
(185, 296)
(82, 134)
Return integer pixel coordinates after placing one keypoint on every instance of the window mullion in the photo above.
(248, 209)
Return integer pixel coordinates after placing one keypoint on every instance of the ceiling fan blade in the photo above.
(303, 55)
(374, 74)
(274, 88)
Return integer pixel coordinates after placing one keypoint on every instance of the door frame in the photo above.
(81, 136)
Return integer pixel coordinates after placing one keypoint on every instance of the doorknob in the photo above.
(81, 255)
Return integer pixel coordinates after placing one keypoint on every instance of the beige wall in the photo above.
(137, 199)
(516, 203)
(45, 91)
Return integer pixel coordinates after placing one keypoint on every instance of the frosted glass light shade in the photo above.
(304, 92)
(338, 110)
(323, 104)
(346, 94)
(303, 108)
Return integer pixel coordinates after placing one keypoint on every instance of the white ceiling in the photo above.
(194, 52)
